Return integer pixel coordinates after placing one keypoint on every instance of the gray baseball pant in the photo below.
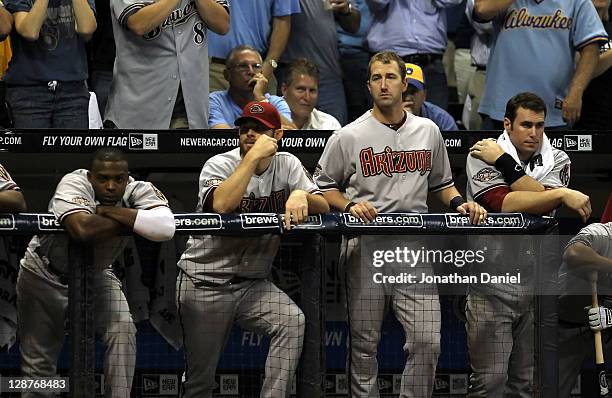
(42, 308)
(207, 315)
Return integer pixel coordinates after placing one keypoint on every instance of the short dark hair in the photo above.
(525, 100)
(301, 66)
(108, 154)
(236, 50)
(387, 57)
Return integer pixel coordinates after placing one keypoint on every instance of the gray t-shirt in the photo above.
(218, 258)
(47, 254)
(393, 170)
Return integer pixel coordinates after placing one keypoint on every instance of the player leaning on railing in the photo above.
(95, 206)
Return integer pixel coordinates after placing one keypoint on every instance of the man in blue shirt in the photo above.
(244, 72)
(413, 100)
(416, 30)
(46, 77)
(263, 24)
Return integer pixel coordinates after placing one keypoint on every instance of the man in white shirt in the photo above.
(301, 91)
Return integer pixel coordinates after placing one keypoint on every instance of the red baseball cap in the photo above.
(262, 111)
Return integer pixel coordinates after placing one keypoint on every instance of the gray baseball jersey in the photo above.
(46, 254)
(149, 69)
(219, 258)
(393, 170)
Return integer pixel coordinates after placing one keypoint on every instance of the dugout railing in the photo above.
(318, 229)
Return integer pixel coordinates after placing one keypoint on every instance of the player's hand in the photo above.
(364, 211)
(340, 6)
(578, 202)
(260, 86)
(264, 147)
(487, 150)
(572, 104)
(600, 318)
(408, 105)
(296, 208)
(477, 213)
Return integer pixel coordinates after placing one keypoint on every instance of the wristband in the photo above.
(511, 170)
(456, 202)
(347, 209)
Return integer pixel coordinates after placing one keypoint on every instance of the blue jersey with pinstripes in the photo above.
(534, 48)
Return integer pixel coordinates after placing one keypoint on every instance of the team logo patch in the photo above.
(564, 175)
(485, 175)
(4, 175)
(213, 182)
(256, 108)
(159, 194)
(80, 200)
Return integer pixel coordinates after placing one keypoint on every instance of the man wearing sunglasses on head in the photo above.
(243, 71)
(223, 279)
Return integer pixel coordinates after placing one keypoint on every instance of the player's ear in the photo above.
(226, 74)
(284, 89)
(278, 134)
(507, 124)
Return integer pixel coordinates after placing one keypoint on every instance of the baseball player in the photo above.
(589, 250)
(520, 172)
(356, 177)
(94, 206)
(550, 33)
(160, 78)
(223, 279)
(11, 198)
(11, 201)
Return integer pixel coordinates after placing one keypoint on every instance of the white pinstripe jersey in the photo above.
(75, 194)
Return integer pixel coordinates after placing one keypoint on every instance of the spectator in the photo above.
(548, 44)
(354, 58)
(243, 71)
(161, 69)
(102, 55)
(414, 100)
(314, 37)
(597, 98)
(480, 47)
(301, 91)
(265, 25)
(46, 76)
(416, 30)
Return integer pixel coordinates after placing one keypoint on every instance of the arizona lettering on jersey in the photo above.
(390, 162)
(274, 203)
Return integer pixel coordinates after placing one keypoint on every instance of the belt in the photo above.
(216, 60)
(51, 85)
(481, 67)
(422, 59)
(233, 281)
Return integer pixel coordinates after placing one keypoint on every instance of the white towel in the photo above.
(540, 164)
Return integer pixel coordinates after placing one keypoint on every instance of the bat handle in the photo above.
(599, 356)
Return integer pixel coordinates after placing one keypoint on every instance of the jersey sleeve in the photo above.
(486, 184)
(300, 178)
(441, 175)
(559, 176)
(215, 110)
(215, 171)
(596, 236)
(587, 27)
(125, 8)
(334, 167)
(144, 195)
(281, 106)
(285, 7)
(6, 181)
(73, 194)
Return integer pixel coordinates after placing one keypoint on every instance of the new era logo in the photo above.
(140, 141)
(578, 142)
(150, 384)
